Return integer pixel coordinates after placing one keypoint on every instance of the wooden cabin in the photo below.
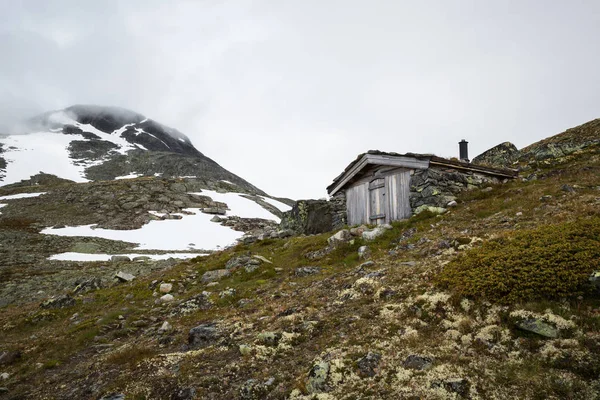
(378, 187)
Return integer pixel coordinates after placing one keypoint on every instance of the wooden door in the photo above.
(377, 201)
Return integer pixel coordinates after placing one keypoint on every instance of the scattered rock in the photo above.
(431, 209)
(317, 377)
(253, 389)
(451, 204)
(368, 364)
(120, 258)
(340, 237)
(61, 301)
(546, 198)
(87, 285)
(167, 298)
(456, 385)
(187, 393)
(567, 188)
(261, 258)
(124, 276)
(214, 210)
(373, 233)
(200, 302)
(9, 357)
(141, 258)
(417, 362)
(284, 233)
(215, 275)
(248, 239)
(165, 327)
(204, 335)
(487, 189)
(364, 252)
(229, 292)
(539, 327)
(4, 376)
(165, 287)
(358, 231)
(362, 267)
(216, 218)
(269, 338)
(304, 271)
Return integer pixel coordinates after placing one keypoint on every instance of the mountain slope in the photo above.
(83, 143)
(312, 322)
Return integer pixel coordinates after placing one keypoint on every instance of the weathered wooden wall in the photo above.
(392, 199)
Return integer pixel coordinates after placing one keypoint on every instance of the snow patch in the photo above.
(106, 257)
(192, 232)
(28, 155)
(20, 196)
(240, 206)
(131, 176)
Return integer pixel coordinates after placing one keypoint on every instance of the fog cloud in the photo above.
(286, 93)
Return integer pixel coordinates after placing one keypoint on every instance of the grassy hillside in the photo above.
(440, 312)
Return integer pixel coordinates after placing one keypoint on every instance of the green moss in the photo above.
(549, 262)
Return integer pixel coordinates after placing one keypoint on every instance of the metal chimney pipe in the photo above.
(463, 147)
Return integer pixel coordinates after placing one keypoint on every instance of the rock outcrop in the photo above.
(502, 155)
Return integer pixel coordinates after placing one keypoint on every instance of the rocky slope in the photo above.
(498, 298)
(550, 149)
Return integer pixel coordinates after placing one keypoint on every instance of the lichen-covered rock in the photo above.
(539, 327)
(418, 362)
(317, 377)
(59, 302)
(204, 335)
(340, 237)
(502, 155)
(269, 338)
(308, 217)
(367, 365)
(459, 386)
(215, 275)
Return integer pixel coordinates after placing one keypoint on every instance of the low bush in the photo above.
(549, 262)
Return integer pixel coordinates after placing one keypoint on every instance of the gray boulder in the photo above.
(305, 271)
(124, 276)
(340, 237)
(308, 217)
(418, 362)
(204, 335)
(215, 275)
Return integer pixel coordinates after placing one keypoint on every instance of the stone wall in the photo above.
(439, 186)
(338, 210)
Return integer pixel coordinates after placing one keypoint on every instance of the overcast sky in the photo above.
(286, 93)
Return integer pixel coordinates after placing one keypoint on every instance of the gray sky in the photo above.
(286, 93)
